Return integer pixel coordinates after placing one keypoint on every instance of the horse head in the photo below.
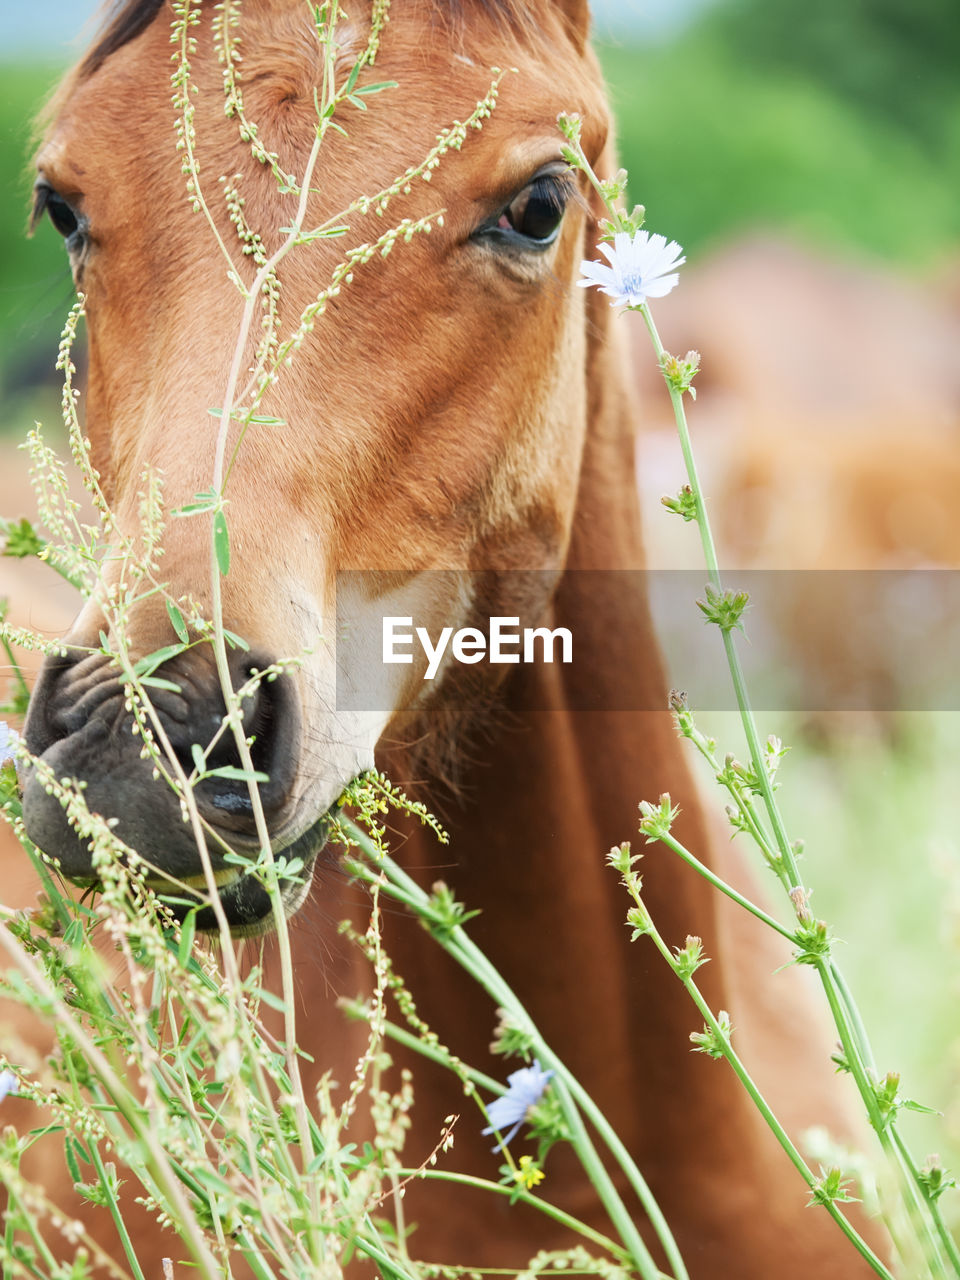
(434, 397)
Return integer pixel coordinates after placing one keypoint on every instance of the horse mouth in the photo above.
(245, 901)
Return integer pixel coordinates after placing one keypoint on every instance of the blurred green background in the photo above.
(837, 122)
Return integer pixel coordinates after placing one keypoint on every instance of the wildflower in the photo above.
(528, 1174)
(935, 1179)
(656, 821)
(689, 958)
(641, 267)
(831, 1188)
(713, 1042)
(510, 1037)
(680, 372)
(8, 1083)
(8, 741)
(525, 1091)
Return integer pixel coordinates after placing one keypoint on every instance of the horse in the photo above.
(459, 406)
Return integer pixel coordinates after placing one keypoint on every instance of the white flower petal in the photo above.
(622, 244)
(9, 1084)
(596, 273)
(609, 252)
(660, 287)
(669, 260)
(641, 266)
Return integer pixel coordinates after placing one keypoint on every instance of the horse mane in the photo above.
(124, 20)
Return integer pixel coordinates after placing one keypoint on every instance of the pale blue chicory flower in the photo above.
(525, 1091)
(641, 266)
(8, 1083)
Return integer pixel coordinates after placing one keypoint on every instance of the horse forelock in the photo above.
(123, 21)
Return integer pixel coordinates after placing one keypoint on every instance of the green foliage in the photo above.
(720, 135)
(20, 539)
(892, 62)
(35, 283)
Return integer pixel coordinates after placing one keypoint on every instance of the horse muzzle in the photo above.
(81, 727)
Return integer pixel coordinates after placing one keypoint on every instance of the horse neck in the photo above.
(553, 790)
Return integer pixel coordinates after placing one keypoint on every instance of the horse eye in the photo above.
(536, 213)
(66, 220)
(61, 215)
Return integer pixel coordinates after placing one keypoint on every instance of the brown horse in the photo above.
(460, 406)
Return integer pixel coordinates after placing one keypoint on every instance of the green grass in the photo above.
(876, 806)
(880, 821)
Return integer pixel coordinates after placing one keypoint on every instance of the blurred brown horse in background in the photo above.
(461, 406)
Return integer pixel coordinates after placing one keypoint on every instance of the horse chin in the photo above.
(245, 902)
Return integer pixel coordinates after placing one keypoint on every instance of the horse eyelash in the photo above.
(561, 189)
(40, 197)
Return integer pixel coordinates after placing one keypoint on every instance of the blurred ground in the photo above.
(826, 429)
(827, 417)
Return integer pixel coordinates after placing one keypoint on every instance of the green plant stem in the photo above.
(16, 1206)
(22, 686)
(8, 1240)
(724, 888)
(942, 1229)
(858, 1030)
(231, 701)
(676, 398)
(389, 1266)
(853, 1033)
(883, 1127)
(118, 1221)
(761, 1103)
(455, 941)
(182, 787)
(790, 874)
(46, 879)
(523, 1197)
(156, 1159)
(471, 958)
(741, 797)
(254, 1258)
(858, 1034)
(402, 1036)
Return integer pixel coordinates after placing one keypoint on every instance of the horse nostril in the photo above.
(270, 725)
(80, 724)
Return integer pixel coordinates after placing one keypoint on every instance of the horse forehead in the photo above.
(421, 42)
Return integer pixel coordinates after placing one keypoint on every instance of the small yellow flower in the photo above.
(529, 1174)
